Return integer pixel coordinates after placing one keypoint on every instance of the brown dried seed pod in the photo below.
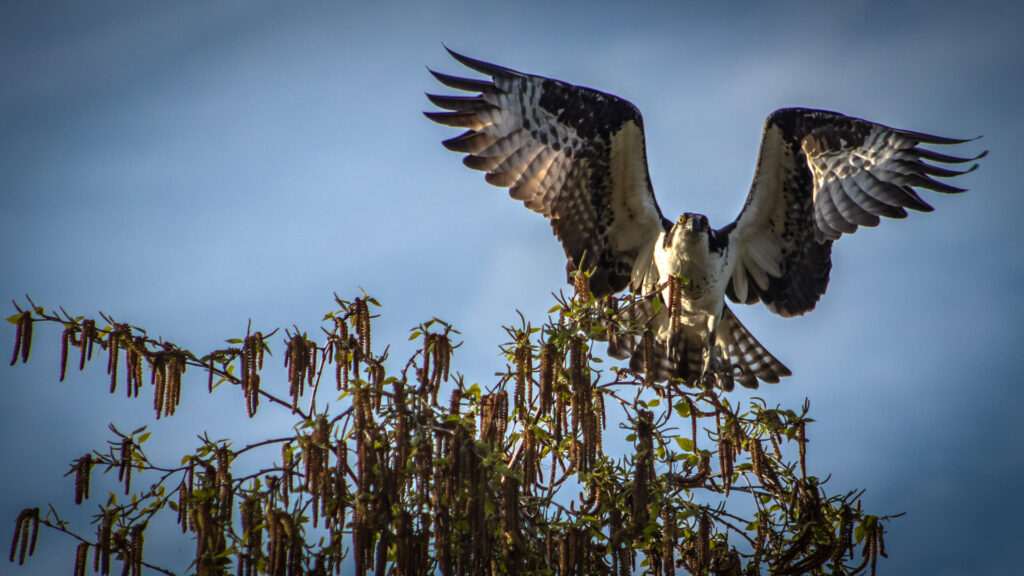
(101, 560)
(362, 321)
(524, 368)
(22, 338)
(225, 486)
(253, 397)
(26, 529)
(135, 546)
(175, 366)
(546, 378)
(83, 471)
(581, 284)
(340, 485)
(576, 363)
(185, 495)
(251, 517)
(643, 465)
(158, 378)
(81, 559)
(259, 349)
(445, 355)
(423, 373)
(725, 454)
(312, 351)
(436, 350)
(85, 342)
(704, 542)
(529, 461)
(844, 536)
(341, 367)
(124, 472)
(297, 360)
(668, 541)
(113, 352)
(66, 338)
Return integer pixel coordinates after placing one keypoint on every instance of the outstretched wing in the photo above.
(573, 154)
(821, 175)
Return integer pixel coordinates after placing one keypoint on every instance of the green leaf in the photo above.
(683, 409)
(144, 437)
(685, 444)
(14, 319)
(654, 403)
(235, 341)
(631, 438)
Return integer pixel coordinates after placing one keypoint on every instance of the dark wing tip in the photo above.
(933, 139)
(492, 70)
(456, 119)
(459, 83)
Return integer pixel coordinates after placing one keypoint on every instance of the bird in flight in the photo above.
(577, 156)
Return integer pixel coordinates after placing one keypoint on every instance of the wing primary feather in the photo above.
(931, 138)
(918, 166)
(944, 158)
(460, 103)
(483, 163)
(905, 183)
(457, 119)
(467, 84)
(923, 181)
(469, 142)
(481, 66)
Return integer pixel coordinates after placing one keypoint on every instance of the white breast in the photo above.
(703, 273)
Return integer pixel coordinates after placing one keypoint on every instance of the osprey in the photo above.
(577, 156)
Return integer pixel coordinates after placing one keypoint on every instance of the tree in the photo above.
(418, 472)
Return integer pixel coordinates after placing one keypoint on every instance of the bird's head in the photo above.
(691, 223)
(690, 230)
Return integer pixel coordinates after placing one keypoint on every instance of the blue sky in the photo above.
(191, 166)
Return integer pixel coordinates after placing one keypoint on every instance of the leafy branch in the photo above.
(511, 478)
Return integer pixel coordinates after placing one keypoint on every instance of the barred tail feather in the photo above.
(749, 359)
(739, 357)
